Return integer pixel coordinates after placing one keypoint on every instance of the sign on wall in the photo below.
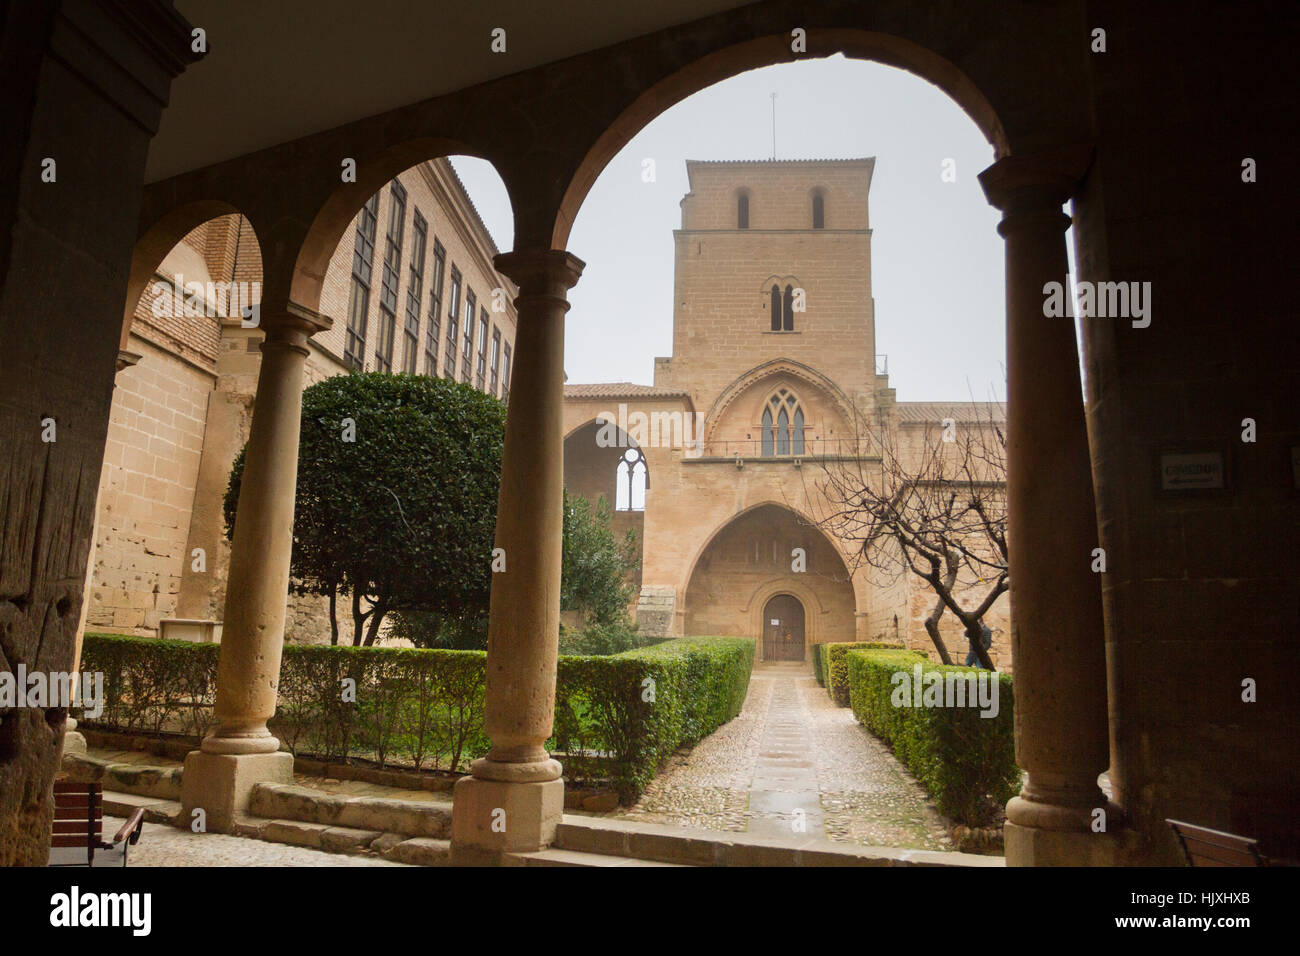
(1185, 472)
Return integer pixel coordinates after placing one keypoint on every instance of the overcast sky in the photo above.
(937, 260)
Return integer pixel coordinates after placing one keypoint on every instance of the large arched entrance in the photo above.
(783, 621)
(758, 556)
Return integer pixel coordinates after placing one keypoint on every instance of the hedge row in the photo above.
(819, 664)
(967, 762)
(835, 666)
(617, 717)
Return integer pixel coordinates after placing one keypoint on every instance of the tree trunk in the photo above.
(334, 615)
(975, 637)
(932, 628)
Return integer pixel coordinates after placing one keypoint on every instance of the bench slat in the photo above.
(76, 826)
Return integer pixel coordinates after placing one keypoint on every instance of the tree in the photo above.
(596, 567)
(396, 497)
(935, 509)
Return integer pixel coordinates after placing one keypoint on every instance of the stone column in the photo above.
(515, 797)
(1057, 635)
(74, 741)
(239, 751)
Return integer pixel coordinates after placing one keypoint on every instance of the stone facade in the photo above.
(723, 514)
(182, 411)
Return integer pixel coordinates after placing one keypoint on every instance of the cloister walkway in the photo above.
(792, 760)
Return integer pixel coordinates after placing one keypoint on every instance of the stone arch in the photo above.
(336, 210)
(772, 370)
(827, 593)
(158, 239)
(720, 64)
(592, 471)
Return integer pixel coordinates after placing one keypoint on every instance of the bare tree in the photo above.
(934, 508)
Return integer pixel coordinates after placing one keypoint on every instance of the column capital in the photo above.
(541, 271)
(1036, 182)
(291, 325)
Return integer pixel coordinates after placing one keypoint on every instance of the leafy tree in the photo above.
(596, 566)
(396, 498)
(396, 511)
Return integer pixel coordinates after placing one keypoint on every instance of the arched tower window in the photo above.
(742, 211)
(819, 211)
(787, 309)
(783, 422)
(629, 492)
(776, 308)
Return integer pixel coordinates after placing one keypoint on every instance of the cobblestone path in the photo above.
(791, 749)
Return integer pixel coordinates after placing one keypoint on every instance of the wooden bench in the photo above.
(1206, 847)
(78, 827)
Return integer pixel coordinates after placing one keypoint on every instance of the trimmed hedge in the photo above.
(965, 761)
(616, 717)
(819, 664)
(835, 666)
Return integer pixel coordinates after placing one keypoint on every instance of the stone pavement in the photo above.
(793, 763)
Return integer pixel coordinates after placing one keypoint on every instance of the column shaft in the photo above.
(258, 585)
(1057, 633)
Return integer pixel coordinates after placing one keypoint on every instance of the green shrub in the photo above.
(616, 717)
(965, 761)
(818, 663)
(835, 666)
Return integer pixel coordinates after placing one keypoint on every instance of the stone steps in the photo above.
(155, 810)
(412, 818)
(691, 847)
(146, 780)
(559, 857)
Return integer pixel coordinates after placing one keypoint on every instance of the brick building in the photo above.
(413, 289)
(773, 374)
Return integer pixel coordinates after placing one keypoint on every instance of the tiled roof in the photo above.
(933, 412)
(622, 390)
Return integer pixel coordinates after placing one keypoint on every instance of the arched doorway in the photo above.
(783, 638)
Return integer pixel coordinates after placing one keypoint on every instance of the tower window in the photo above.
(783, 422)
(819, 211)
(629, 493)
(776, 308)
(742, 211)
(787, 309)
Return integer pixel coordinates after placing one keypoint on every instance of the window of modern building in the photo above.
(480, 374)
(742, 211)
(787, 309)
(392, 277)
(434, 326)
(782, 430)
(819, 211)
(505, 376)
(629, 492)
(363, 258)
(453, 326)
(414, 293)
(496, 360)
(467, 344)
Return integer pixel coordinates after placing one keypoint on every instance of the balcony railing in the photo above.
(809, 448)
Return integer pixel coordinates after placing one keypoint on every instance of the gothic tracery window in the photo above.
(783, 422)
(629, 492)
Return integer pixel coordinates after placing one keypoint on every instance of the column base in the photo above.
(1032, 846)
(221, 785)
(491, 818)
(74, 742)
